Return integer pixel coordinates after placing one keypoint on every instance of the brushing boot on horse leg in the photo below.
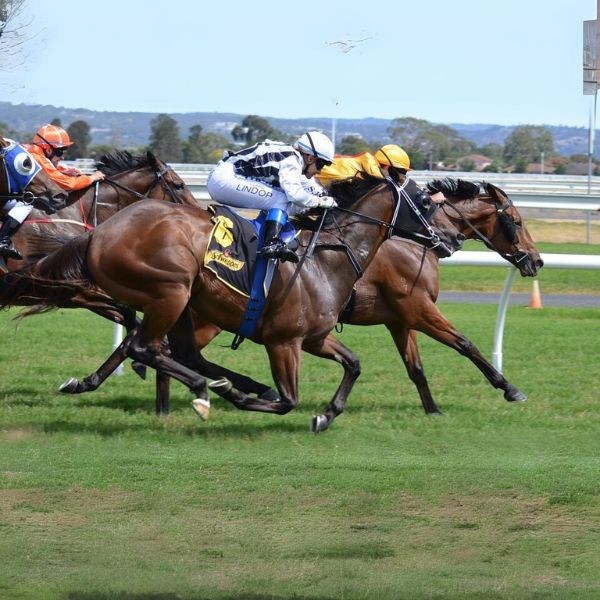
(9, 227)
(273, 247)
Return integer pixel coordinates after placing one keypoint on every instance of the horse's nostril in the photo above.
(460, 237)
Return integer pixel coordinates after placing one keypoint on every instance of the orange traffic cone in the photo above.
(536, 299)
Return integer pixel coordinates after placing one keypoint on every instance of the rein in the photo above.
(158, 178)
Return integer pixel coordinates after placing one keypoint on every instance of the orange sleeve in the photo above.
(66, 182)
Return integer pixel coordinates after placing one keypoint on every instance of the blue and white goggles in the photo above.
(19, 166)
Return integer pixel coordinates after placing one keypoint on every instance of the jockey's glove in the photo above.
(326, 202)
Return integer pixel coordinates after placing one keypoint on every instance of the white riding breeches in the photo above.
(18, 210)
(225, 186)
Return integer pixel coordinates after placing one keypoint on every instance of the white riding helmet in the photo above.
(317, 144)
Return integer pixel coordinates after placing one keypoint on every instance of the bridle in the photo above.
(505, 221)
(159, 179)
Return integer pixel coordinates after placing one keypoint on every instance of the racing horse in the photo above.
(21, 178)
(149, 257)
(399, 290)
(128, 179)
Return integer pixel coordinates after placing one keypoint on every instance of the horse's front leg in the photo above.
(406, 343)
(332, 349)
(433, 323)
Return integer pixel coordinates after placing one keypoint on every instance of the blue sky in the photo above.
(509, 62)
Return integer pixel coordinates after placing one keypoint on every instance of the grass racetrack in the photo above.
(101, 499)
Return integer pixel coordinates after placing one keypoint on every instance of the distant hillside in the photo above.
(133, 128)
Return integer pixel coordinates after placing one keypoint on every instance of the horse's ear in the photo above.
(152, 160)
(3, 141)
(493, 191)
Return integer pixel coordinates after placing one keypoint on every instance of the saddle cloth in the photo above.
(231, 250)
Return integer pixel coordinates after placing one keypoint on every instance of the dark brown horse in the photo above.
(399, 290)
(150, 257)
(128, 179)
(22, 179)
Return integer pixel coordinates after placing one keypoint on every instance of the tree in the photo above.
(254, 129)
(164, 138)
(9, 132)
(493, 167)
(352, 144)
(526, 143)
(492, 150)
(79, 132)
(466, 164)
(427, 143)
(204, 148)
(13, 34)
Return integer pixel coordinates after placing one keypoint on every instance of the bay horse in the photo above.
(399, 290)
(150, 258)
(128, 179)
(22, 179)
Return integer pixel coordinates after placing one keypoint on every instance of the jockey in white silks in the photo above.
(274, 177)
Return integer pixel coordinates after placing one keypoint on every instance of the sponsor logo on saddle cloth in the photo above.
(231, 250)
(223, 236)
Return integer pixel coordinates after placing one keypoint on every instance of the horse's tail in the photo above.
(50, 282)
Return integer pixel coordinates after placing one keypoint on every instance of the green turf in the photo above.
(101, 499)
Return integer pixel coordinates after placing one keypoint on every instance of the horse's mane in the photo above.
(345, 192)
(348, 191)
(118, 161)
(454, 187)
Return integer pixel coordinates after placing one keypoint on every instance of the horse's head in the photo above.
(484, 212)
(23, 179)
(138, 177)
(173, 187)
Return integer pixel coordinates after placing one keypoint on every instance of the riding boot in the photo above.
(273, 247)
(7, 249)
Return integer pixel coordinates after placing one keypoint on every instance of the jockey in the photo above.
(389, 161)
(393, 161)
(49, 145)
(274, 177)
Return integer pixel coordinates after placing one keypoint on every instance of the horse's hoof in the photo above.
(139, 369)
(69, 386)
(319, 423)
(220, 386)
(435, 413)
(514, 395)
(271, 395)
(202, 408)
